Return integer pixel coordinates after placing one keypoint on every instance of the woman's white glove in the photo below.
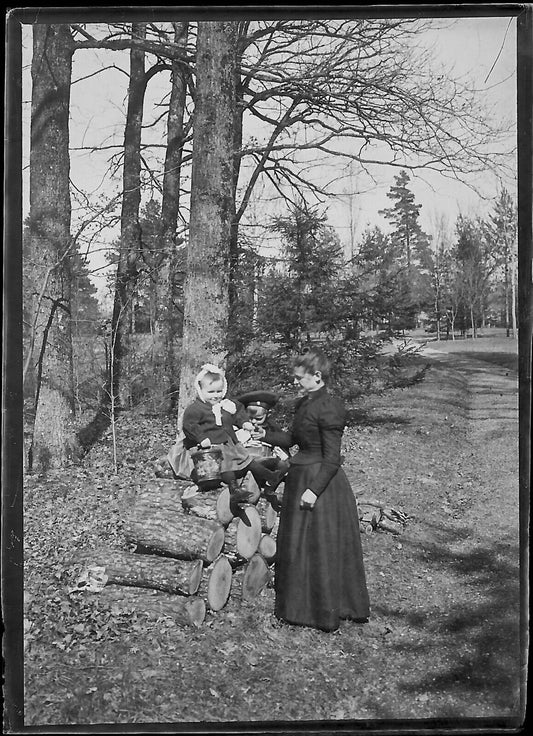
(308, 499)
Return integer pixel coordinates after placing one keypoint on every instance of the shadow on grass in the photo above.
(358, 417)
(503, 360)
(479, 637)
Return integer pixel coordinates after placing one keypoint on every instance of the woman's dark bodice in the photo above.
(318, 426)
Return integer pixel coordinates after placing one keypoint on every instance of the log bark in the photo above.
(267, 548)
(212, 505)
(149, 571)
(216, 587)
(176, 534)
(256, 577)
(159, 495)
(184, 611)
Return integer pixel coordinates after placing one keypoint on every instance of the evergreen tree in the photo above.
(85, 307)
(410, 241)
(296, 299)
(501, 234)
(384, 281)
(476, 264)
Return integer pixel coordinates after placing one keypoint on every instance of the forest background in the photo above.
(311, 142)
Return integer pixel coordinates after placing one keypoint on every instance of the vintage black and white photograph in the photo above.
(272, 325)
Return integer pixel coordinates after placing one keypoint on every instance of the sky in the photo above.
(480, 49)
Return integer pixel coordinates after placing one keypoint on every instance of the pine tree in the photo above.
(410, 241)
(501, 234)
(312, 258)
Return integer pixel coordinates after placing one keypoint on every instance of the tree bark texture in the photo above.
(170, 276)
(159, 496)
(180, 577)
(184, 611)
(213, 505)
(212, 205)
(53, 442)
(177, 535)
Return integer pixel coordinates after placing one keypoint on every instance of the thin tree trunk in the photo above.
(130, 230)
(212, 205)
(507, 319)
(513, 296)
(53, 439)
(167, 324)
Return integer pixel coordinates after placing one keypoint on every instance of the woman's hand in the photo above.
(308, 499)
(205, 443)
(258, 433)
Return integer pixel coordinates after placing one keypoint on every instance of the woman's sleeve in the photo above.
(276, 436)
(331, 423)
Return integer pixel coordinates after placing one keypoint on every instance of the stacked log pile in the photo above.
(189, 552)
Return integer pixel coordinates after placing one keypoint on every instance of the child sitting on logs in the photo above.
(267, 437)
(209, 421)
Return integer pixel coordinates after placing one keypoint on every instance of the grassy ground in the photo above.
(443, 639)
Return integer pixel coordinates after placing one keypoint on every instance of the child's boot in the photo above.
(237, 496)
(268, 479)
(273, 500)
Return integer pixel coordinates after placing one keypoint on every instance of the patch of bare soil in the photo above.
(443, 640)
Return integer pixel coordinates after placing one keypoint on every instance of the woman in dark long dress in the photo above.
(319, 571)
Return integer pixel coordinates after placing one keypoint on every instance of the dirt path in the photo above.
(449, 590)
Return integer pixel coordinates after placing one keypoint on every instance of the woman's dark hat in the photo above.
(266, 399)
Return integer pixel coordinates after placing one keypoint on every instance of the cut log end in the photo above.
(256, 577)
(219, 585)
(214, 547)
(224, 512)
(196, 610)
(196, 576)
(267, 548)
(270, 518)
(248, 532)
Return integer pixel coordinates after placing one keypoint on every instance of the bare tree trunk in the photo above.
(53, 442)
(212, 205)
(513, 295)
(168, 319)
(130, 230)
(116, 394)
(236, 304)
(506, 286)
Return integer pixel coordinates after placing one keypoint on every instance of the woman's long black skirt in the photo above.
(320, 576)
